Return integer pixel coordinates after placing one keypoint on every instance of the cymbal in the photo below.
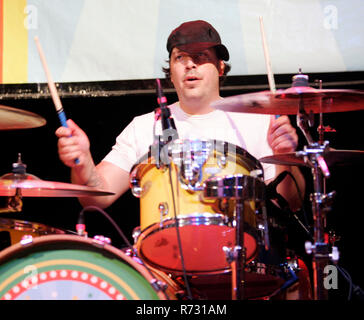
(286, 102)
(28, 185)
(332, 157)
(13, 119)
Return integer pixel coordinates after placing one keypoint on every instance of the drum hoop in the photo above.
(146, 160)
(170, 223)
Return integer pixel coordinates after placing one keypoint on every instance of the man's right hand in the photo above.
(73, 144)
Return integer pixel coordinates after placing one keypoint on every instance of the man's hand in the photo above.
(282, 137)
(73, 143)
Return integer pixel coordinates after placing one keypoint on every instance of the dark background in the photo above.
(104, 117)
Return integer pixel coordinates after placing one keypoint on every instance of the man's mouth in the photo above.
(191, 79)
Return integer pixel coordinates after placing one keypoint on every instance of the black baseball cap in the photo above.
(195, 36)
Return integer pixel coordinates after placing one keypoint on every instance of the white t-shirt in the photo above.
(248, 131)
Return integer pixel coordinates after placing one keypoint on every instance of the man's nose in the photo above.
(191, 62)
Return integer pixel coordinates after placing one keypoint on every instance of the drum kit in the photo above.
(205, 231)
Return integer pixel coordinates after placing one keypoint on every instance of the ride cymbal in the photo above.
(286, 102)
(13, 119)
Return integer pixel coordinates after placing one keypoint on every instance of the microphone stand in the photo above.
(238, 255)
(169, 133)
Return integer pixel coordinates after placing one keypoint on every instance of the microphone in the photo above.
(169, 131)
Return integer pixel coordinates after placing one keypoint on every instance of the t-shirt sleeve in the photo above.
(123, 153)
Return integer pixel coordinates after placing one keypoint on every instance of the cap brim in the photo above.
(196, 47)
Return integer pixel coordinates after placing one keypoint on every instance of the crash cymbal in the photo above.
(332, 157)
(13, 119)
(286, 102)
(28, 185)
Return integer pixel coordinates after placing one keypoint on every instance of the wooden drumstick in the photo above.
(52, 88)
(267, 59)
(272, 84)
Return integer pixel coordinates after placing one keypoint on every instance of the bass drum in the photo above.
(70, 267)
(176, 217)
(13, 231)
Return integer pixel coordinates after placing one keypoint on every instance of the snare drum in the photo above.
(70, 267)
(12, 231)
(205, 225)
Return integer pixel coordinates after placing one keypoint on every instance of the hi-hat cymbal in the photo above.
(13, 119)
(332, 157)
(28, 185)
(286, 102)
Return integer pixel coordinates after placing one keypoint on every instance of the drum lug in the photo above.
(258, 173)
(158, 285)
(135, 187)
(26, 240)
(163, 210)
(136, 233)
(221, 162)
(101, 241)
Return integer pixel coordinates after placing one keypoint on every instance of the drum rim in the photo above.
(240, 153)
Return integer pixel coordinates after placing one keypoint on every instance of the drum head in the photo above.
(68, 267)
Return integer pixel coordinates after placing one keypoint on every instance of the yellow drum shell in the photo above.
(201, 220)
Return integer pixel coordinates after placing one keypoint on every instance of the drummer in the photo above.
(197, 64)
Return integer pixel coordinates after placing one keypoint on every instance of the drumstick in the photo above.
(267, 59)
(272, 85)
(52, 88)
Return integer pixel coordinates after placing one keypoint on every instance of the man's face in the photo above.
(196, 76)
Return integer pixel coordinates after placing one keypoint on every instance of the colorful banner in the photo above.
(93, 40)
(14, 42)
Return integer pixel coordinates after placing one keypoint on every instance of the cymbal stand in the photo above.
(321, 129)
(314, 157)
(236, 256)
(15, 203)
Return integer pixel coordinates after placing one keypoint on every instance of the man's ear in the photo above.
(221, 67)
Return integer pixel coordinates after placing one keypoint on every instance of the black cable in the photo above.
(158, 116)
(347, 277)
(300, 197)
(178, 235)
(94, 208)
(283, 203)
